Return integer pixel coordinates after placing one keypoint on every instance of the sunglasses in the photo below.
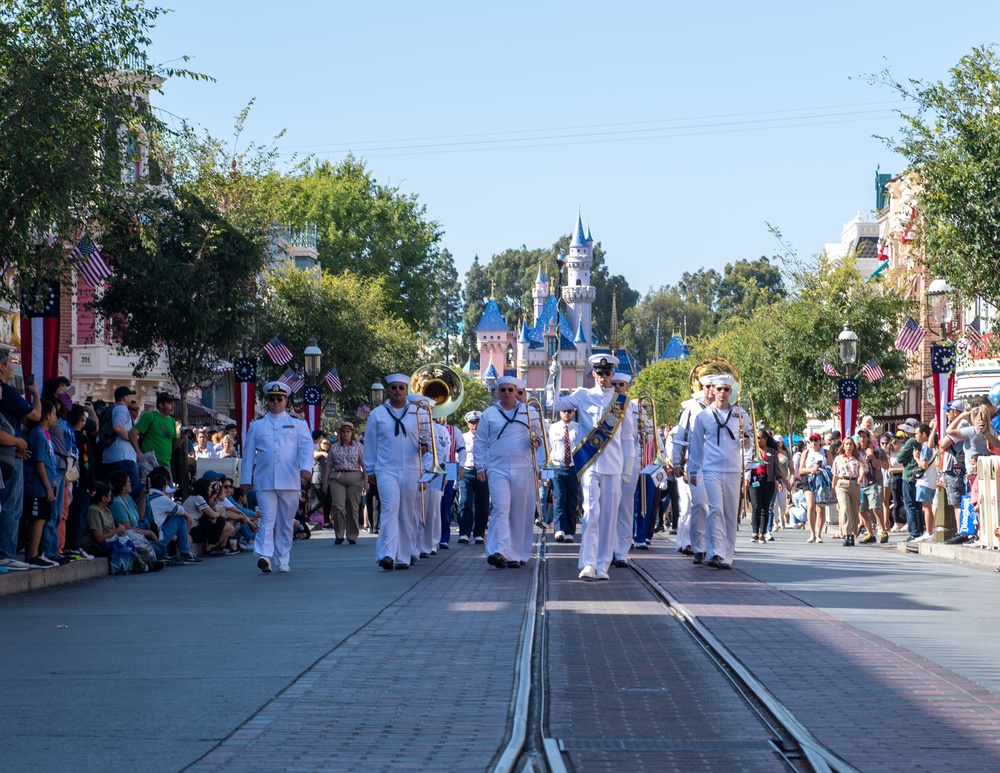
(275, 398)
(397, 387)
(603, 372)
(723, 389)
(506, 389)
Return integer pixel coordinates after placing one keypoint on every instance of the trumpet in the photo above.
(541, 434)
(646, 398)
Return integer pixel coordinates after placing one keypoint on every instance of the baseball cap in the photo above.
(123, 391)
(164, 397)
(955, 405)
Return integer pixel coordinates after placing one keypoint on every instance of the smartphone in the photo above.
(89, 400)
(29, 380)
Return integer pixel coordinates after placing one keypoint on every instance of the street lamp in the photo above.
(847, 345)
(941, 313)
(377, 394)
(939, 304)
(314, 359)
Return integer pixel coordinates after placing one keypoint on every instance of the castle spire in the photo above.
(579, 238)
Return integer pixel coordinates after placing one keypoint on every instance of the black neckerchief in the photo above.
(509, 420)
(722, 425)
(398, 420)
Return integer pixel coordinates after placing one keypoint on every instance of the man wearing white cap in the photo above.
(716, 463)
(475, 493)
(599, 460)
(278, 460)
(503, 454)
(429, 532)
(631, 464)
(392, 458)
(456, 456)
(693, 515)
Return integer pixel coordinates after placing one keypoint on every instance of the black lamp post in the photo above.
(847, 346)
(313, 358)
(377, 394)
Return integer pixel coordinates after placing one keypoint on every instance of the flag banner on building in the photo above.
(911, 335)
(363, 411)
(974, 331)
(292, 380)
(848, 390)
(873, 371)
(313, 400)
(883, 249)
(943, 376)
(828, 369)
(332, 380)
(87, 259)
(277, 352)
(245, 378)
(908, 233)
(40, 331)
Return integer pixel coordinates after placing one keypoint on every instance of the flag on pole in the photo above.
(943, 376)
(828, 369)
(974, 332)
(245, 378)
(313, 404)
(363, 411)
(883, 249)
(872, 370)
(848, 389)
(292, 380)
(277, 352)
(89, 262)
(40, 331)
(332, 380)
(911, 335)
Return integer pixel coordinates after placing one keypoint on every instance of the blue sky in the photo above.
(680, 130)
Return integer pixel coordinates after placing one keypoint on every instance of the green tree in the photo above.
(445, 327)
(667, 381)
(372, 230)
(73, 74)
(477, 294)
(475, 397)
(350, 318)
(952, 141)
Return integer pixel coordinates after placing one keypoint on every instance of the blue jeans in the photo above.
(12, 503)
(914, 513)
(77, 515)
(475, 510)
(447, 498)
(49, 545)
(565, 498)
(176, 527)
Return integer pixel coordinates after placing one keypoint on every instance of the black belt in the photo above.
(348, 470)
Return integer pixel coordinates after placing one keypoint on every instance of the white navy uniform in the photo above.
(394, 458)
(717, 461)
(601, 481)
(430, 532)
(693, 516)
(503, 451)
(277, 448)
(631, 465)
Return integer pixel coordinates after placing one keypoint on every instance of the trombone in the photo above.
(542, 435)
(441, 388)
(646, 398)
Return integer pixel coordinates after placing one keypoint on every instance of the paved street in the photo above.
(339, 666)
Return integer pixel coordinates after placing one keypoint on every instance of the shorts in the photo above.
(926, 493)
(208, 531)
(871, 497)
(954, 487)
(37, 507)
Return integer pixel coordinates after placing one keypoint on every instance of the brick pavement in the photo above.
(425, 685)
(878, 705)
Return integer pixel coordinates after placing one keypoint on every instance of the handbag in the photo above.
(72, 469)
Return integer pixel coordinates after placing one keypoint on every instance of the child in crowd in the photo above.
(100, 525)
(927, 477)
(39, 488)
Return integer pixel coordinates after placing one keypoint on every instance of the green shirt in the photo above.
(907, 457)
(158, 435)
(99, 520)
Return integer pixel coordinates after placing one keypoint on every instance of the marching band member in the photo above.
(693, 516)
(456, 454)
(475, 493)
(278, 460)
(599, 462)
(503, 450)
(717, 464)
(563, 437)
(392, 458)
(632, 464)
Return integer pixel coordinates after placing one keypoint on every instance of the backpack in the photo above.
(106, 434)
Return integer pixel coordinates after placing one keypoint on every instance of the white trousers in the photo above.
(625, 526)
(601, 497)
(723, 491)
(512, 516)
(277, 524)
(693, 515)
(399, 494)
(430, 533)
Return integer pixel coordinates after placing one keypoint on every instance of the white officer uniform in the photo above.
(717, 462)
(277, 449)
(503, 451)
(601, 481)
(392, 454)
(631, 465)
(693, 515)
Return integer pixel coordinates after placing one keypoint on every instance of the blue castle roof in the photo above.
(676, 349)
(471, 366)
(492, 319)
(580, 337)
(579, 239)
(536, 334)
(490, 372)
(522, 336)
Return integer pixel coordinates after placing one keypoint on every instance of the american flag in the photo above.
(332, 380)
(292, 380)
(974, 332)
(943, 378)
(90, 262)
(910, 336)
(278, 353)
(872, 370)
(313, 401)
(847, 389)
(245, 378)
(363, 411)
(828, 369)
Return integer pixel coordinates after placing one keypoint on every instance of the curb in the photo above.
(959, 553)
(34, 579)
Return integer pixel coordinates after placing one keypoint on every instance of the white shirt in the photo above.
(592, 404)
(277, 448)
(556, 448)
(682, 437)
(470, 449)
(715, 441)
(387, 451)
(502, 438)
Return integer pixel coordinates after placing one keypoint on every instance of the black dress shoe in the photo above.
(621, 563)
(688, 551)
(699, 558)
(401, 566)
(513, 564)
(497, 560)
(386, 563)
(424, 555)
(338, 541)
(444, 546)
(352, 542)
(715, 561)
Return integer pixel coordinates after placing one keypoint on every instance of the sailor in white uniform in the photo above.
(601, 481)
(717, 464)
(503, 455)
(693, 515)
(392, 458)
(277, 460)
(632, 464)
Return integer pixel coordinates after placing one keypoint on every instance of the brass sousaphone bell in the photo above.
(441, 385)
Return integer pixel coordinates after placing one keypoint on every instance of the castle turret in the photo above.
(493, 337)
(541, 293)
(578, 293)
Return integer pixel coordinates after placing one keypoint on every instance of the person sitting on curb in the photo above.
(212, 529)
(171, 519)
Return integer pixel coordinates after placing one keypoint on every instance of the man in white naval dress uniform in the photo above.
(631, 465)
(392, 458)
(693, 515)
(277, 459)
(717, 463)
(601, 481)
(503, 454)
